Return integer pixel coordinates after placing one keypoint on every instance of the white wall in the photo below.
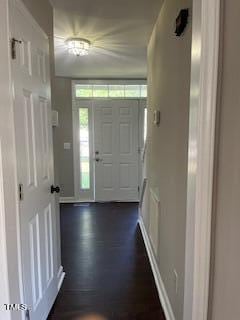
(169, 61)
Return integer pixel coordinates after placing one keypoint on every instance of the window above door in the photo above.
(117, 91)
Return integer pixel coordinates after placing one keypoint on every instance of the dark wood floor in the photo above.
(106, 265)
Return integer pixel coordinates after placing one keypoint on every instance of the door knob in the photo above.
(55, 189)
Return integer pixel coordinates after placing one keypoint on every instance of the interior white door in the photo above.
(33, 135)
(116, 150)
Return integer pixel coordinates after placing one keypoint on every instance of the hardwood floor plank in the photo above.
(106, 264)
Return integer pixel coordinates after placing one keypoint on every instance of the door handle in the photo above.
(55, 189)
(98, 160)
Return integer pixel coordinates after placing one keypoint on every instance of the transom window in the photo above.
(110, 91)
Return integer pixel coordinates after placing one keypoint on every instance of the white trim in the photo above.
(110, 81)
(60, 277)
(75, 200)
(204, 81)
(142, 105)
(89, 195)
(67, 199)
(108, 84)
(166, 305)
(75, 147)
(111, 98)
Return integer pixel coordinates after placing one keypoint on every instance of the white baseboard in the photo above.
(74, 200)
(167, 308)
(67, 200)
(60, 277)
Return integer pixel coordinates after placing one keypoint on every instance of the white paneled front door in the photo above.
(32, 115)
(116, 150)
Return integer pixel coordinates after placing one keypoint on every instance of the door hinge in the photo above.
(27, 315)
(13, 47)
(20, 191)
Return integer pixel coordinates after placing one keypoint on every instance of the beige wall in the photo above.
(169, 86)
(62, 102)
(42, 12)
(225, 302)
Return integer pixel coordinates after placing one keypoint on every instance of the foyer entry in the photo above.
(108, 141)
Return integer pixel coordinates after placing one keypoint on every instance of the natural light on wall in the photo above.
(110, 91)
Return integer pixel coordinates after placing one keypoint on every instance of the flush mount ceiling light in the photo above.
(78, 46)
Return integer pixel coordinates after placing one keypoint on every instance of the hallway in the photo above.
(106, 265)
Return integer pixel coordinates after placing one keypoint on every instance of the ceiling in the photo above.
(118, 30)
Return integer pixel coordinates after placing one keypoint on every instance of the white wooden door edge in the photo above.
(204, 82)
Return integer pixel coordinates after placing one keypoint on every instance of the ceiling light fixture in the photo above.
(78, 46)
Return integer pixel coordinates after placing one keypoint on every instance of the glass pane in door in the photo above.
(84, 148)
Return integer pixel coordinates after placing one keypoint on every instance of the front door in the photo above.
(33, 135)
(116, 150)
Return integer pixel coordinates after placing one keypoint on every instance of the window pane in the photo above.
(83, 91)
(143, 91)
(84, 149)
(132, 91)
(100, 91)
(116, 91)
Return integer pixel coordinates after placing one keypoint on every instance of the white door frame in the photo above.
(203, 104)
(141, 116)
(89, 195)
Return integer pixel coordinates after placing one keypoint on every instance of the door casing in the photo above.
(89, 195)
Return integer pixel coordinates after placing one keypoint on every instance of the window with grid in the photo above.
(118, 91)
